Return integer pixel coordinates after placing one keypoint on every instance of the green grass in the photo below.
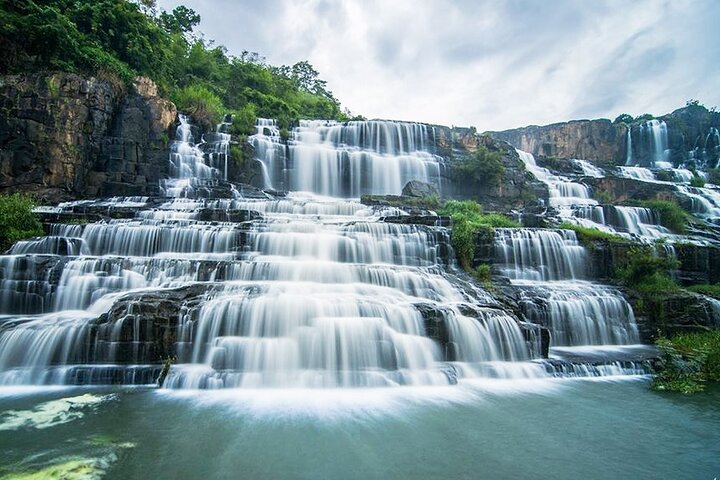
(697, 181)
(688, 362)
(17, 220)
(587, 235)
(468, 217)
(706, 289)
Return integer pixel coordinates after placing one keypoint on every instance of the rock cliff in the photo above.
(692, 135)
(63, 136)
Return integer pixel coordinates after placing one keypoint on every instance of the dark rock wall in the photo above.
(63, 136)
(604, 143)
(600, 141)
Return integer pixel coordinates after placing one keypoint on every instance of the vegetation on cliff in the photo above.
(17, 220)
(688, 361)
(468, 217)
(587, 236)
(671, 215)
(483, 168)
(647, 272)
(121, 39)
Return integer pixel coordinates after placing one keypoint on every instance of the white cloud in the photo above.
(490, 64)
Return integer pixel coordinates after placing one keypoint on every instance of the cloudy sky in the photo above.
(488, 63)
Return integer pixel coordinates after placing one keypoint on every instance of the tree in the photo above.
(181, 20)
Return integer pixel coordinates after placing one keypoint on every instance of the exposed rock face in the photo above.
(517, 188)
(625, 189)
(64, 136)
(416, 188)
(600, 141)
(691, 135)
(674, 313)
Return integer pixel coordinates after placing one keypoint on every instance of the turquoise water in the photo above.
(562, 429)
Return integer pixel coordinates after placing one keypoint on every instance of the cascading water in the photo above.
(562, 191)
(546, 267)
(650, 147)
(256, 290)
(347, 160)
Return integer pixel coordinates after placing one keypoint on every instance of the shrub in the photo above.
(204, 106)
(468, 218)
(645, 117)
(483, 273)
(671, 215)
(697, 181)
(664, 175)
(17, 220)
(688, 361)
(624, 118)
(483, 168)
(647, 272)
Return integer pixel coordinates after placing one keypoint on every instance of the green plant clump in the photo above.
(647, 272)
(711, 290)
(588, 235)
(468, 217)
(688, 361)
(671, 215)
(483, 168)
(697, 181)
(17, 220)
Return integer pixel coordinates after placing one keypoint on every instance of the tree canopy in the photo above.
(124, 39)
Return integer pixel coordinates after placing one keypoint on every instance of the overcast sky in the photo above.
(488, 63)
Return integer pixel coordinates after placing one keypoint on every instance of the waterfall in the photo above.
(651, 146)
(580, 314)
(562, 192)
(347, 160)
(540, 265)
(638, 221)
(260, 289)
(588, 168)
(191, 167)
(637, 173)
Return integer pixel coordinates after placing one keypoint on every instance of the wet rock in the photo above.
(416, 188)
(672, 313)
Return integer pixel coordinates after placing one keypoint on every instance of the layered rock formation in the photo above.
(63, 136)
(691, 136)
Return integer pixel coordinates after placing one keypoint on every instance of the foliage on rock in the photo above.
(468, 217)
(688, 362)
(17, 220)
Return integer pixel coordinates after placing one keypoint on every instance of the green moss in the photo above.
(468, 218)
(53, 86)
(70, 470)
(587, 235)
(688, 362)
(17, 220)
(711, 290)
